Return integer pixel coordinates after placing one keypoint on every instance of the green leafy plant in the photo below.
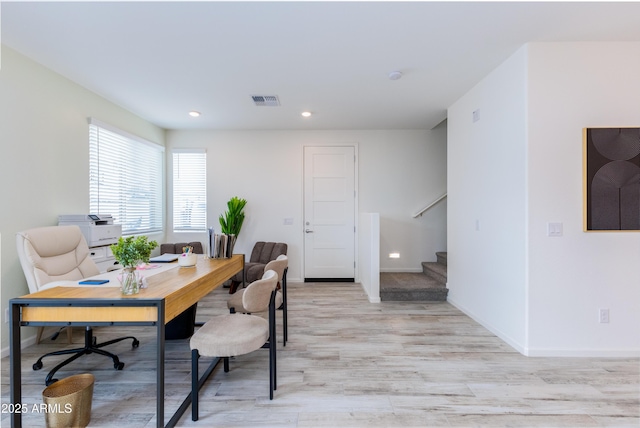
(131, 251)
(232, 219)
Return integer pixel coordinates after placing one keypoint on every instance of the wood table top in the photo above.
(179, 288)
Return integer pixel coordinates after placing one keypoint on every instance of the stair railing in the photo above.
(422, 211)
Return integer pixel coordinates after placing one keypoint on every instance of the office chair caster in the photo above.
(118, 366)
(135, 343)
(37, 365)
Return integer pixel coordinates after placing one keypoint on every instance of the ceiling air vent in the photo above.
(266, 100)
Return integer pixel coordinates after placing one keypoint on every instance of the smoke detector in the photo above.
(395, 75)
(265, 100)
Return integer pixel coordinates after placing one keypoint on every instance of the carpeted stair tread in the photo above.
(435, 270)
(411, 287)
(430, 285)
(401, 280)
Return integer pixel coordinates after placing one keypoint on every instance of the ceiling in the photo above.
(162, 59)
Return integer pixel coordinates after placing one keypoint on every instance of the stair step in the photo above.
(430, 285)
(434, 270)
(411, 287)
(427, 295)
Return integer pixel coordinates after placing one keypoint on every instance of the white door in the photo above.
(329, 213)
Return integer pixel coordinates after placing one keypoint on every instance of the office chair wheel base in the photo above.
(118, 366)
(37, 365)
(135, 343)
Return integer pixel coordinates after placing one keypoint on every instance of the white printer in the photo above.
(98, 229)
(100, 233)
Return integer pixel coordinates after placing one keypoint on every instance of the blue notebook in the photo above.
(94, 281)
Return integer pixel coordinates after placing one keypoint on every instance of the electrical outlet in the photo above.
(604, 316)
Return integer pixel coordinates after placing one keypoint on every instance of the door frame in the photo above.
(356, 205)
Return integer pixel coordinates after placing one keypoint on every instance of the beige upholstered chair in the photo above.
(53, 255)
(280, 266)
(236, 334)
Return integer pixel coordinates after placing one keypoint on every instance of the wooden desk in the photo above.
(168, 294)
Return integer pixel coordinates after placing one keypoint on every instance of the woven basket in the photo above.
(69, 401)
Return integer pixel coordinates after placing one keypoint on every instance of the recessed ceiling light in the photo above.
(306, 114)
(194, 113)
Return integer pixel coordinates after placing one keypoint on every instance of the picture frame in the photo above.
(611, 163)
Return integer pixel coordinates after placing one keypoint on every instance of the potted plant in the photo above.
(230, 225)
(130, 252)
(232, 219)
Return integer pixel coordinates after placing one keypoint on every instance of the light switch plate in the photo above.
(554, 229)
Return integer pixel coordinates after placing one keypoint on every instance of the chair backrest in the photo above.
(54, 253)
(257, 295)
(264, 252)
(177, 248)
(278, 265)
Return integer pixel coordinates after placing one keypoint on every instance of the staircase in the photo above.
(430, 285)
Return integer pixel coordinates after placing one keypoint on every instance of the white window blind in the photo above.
(189, 190)
(125, 179)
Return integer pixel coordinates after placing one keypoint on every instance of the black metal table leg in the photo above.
(160, 368)
(15, 364)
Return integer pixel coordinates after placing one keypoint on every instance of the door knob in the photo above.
(308, 231)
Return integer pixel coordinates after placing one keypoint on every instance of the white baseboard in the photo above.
(372, 298)
(23, 344)
(590, 353)
(551, 352)
(515, 345)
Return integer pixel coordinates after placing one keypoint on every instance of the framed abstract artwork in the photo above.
(611, 179)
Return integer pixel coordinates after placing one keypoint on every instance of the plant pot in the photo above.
(187, 259)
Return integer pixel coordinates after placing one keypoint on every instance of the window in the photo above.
(189, 190)
(125, 179)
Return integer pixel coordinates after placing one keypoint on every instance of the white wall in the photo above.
(487, 202)
(520, 167)
(399, 172)
(44, 155)
(573, 86)
(369, 260)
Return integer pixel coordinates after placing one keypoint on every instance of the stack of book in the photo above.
(221, 245)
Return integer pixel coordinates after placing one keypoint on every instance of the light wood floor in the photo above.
(349, 363)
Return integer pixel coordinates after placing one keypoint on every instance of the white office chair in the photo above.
(52, 254)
